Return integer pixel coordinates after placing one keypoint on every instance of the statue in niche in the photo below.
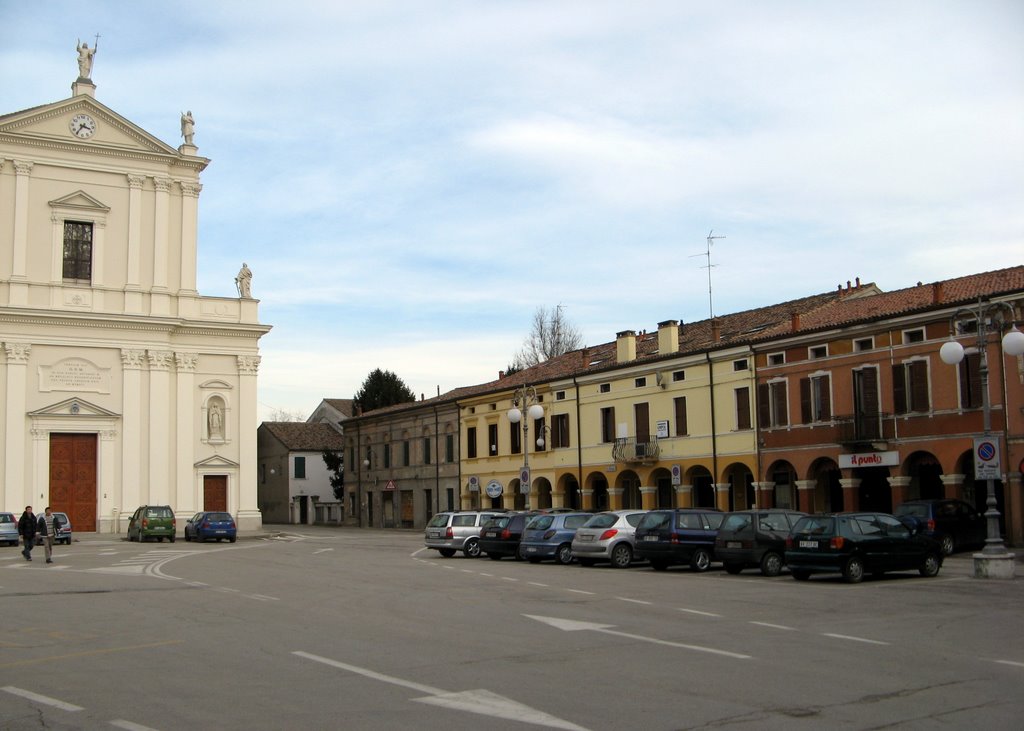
(216, 421)
(188, 126)
(244, 282)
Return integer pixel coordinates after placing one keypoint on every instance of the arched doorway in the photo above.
(629, 482)
(925, 477)
(703, 487)
(874, 492)
(827, 496)
(665, 496)
(784, 493)
(741, 487)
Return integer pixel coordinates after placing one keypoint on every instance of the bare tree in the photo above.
(551, 334)
(285, 415)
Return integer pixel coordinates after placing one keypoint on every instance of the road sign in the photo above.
(391, 485)
(987, 465)
(524, 480)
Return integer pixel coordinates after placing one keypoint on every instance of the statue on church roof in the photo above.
(244, 282)
(188, 126)
(85, 58)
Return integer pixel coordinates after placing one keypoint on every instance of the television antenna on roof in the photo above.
(707, 254)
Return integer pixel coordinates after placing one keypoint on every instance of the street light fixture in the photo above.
(527, 398)
(994, 561)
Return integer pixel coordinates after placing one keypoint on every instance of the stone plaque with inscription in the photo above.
(74, 374)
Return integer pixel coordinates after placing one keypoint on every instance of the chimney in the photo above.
(794, 320)
(936, 292)
(501, 374)
(668, 337)
(625, 346)
(716, 330)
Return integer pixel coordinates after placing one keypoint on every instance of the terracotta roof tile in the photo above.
(298, 436)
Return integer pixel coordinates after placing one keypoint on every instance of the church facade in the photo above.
(120, 384)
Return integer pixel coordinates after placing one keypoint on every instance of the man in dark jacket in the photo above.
(27, 530)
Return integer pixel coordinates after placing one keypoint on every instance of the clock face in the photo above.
(82, 125)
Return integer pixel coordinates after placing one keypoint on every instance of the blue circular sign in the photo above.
(987, 451)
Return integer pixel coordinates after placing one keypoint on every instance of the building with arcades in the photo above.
(121, 384)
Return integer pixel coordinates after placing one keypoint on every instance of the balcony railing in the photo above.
(864, 428)
(628, 449)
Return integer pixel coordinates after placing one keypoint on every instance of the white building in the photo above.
(120, 384)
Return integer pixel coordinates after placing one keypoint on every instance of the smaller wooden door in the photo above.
(215, 492)
(407, 502)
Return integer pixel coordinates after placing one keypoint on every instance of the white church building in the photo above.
(120, 384)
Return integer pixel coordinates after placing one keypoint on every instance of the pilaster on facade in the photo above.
(952, 485)
(248, 516)
(189, 227)
(160, 362)
(898, 485)
(764, 493)
(684, 495)
(187, 498)
(851, 497)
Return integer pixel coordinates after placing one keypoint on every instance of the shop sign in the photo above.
(869, 459)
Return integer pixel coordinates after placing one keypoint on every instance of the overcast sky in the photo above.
(409, 181)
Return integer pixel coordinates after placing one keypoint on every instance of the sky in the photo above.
(410, 180)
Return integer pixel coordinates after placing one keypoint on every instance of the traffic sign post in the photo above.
(987, 465)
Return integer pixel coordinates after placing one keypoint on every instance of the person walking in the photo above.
(48, 528)
(27, 530)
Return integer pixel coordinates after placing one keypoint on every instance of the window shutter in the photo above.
(743, 408)
(805, 400)
(764, 412)
(681, 417)
(824, 393)
(970, 371)
(780, 417)
(899, 389)
(918, 385)
(868, 391)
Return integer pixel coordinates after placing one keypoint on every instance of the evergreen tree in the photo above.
(382, 388)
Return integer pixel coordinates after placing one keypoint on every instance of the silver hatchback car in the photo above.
(607, 536)
(454, 531)
(9, 529)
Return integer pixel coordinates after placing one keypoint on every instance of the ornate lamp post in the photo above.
(526, 397)
(994, 561)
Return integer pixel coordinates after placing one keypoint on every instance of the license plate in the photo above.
(531, 549)
(585, 539)
(435, 534)
(808, 544)
(733, 544)
(650, 538)
(490, 534)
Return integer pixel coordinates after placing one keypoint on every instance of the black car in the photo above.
(680, 536)
(953, 523)
(501, 535)
(755, 538)
(854, 544)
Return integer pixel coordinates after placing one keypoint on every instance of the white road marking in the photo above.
(571, 625)
(697, 611)
(322, 550)
(129, 726)
(537, 583)
(1011, 663)
(854, 639)
(774, 626)
(482, 702)
(509, 578)
(489, 576)
(633, 601)
(580, 591)
(45, 700)
(263, 597)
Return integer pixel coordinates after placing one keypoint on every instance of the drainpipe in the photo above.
(359, 475)
(579, 444)
(437, 461)
(714, 429)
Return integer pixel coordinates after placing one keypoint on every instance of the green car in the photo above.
(152, 521)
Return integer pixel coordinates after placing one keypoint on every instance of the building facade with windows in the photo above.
(121, 385)
(294, 481)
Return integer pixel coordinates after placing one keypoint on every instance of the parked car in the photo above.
(61, 529)
(857, 543)
(152, 521)
(9, 529)
(679, 536)
(755, 538)
(953, 523)
(607, 536)
(550, 536)
(211, 524)
(453, 531)
(501, 535)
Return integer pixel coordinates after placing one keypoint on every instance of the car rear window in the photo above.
(541, 522)
(219, 516)
(601, 520)
(774, 522)
(814, 525)
(736, 522)
(6, 518)
(655, 520)
(158, 513)
(498, 522)
(576, 521)
(918, 510)
(438, 521)
(634, 519)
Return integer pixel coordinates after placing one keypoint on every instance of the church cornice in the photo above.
(170, 326)
(194, 164)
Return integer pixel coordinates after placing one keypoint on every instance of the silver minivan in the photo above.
(454, 531)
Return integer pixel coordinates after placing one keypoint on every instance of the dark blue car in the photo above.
(211, 524)
(679, 536)
(550, 537)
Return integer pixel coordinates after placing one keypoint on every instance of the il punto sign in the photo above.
(869, 459)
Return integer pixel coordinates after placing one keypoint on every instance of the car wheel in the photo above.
(446, 552)
(188, 537)
(494, 556)
(533, 560)
(931, 565)
(853, 571)
(659, 565)
(771, 564)
(159, 539)
(733, 568)
(563, 554)
(622, 556)
(170, 538)
(948, 544)
(472, 548)
(701, 560)
(800, 575)
(232, 539)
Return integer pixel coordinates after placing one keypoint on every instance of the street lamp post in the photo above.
(526, 397)
(994, 561)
